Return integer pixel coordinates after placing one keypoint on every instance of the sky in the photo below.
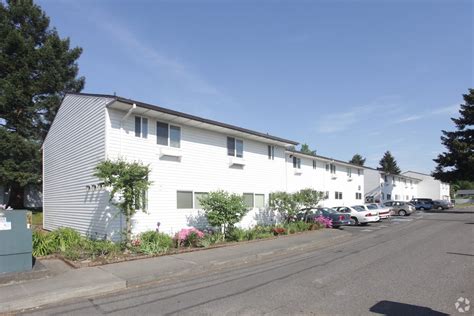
(344, 77)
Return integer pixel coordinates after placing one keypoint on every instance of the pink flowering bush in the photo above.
(189, 237)
(323, 221)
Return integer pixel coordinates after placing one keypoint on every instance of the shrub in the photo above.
(223, 209)
(43, 244)
(189, 237)
(152, 242)
(264, 235)
(238, 234)
(279, 231)
(210, 239)
(65, 239)
(324, 222)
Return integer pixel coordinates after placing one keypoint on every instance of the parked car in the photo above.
(442, 205)
(384, 212)
(423, 205)
(359, 215)
(400, 208)
(338, 219)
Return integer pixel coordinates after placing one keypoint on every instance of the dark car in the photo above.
(423, 205)
(441, 205)
(338, 219)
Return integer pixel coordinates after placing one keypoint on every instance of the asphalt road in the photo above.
(416, 265)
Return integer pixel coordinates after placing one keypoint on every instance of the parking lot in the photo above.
(386, 223)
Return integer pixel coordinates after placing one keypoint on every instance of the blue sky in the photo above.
(343, 76)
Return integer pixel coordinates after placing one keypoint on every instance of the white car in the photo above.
(384, 212)
(359, 215)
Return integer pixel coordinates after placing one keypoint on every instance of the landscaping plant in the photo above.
(285, 204)
(128, 182)
(323, 221)
(223, 209)
(188, 237)
(152, 242)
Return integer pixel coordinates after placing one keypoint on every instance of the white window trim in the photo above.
(141, 126)
(235, 147)
(169, 134)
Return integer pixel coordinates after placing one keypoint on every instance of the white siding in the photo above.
(72, 149)
(397, 186)
(429, 187)
(204, 167)
(321, 180)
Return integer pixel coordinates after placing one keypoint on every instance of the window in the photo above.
(358, 172)
(197, 197)
(358, 196)
(327, 167)
(235, 147)
(184, 199)
(141, 127)
(338, 195)
(385, 178)
(143, 201)
(259, 200)
(248, 200)
(383, 196)
(326, 195)
(271, 152)
(358, 187)
(314, 164)
(333, 169)
(396, 197)
(168, 134)
(349, 172)
(296, 162)
(389, 196)
(175, 136)
(407, 198)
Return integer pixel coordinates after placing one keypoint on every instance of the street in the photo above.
(416, 265)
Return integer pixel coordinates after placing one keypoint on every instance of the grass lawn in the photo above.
(37, 219)
(464, 205)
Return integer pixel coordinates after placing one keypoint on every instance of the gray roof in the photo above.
(189, 116)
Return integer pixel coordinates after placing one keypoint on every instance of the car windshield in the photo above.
(358, 208)
(329, 210)
(372, 207)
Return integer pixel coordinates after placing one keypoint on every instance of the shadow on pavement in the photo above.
(449, 212)
(394, 308)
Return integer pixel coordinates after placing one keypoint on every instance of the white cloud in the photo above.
(410, 118)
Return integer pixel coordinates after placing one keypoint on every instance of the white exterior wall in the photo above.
(73, 147)
(397, 187)
(204, 167)
(320, 179)
(429, 187)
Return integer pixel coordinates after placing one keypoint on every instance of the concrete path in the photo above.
(93, 281)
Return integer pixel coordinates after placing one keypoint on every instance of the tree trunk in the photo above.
(16, 197)
(129, 229)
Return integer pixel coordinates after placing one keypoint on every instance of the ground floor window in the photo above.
(358, 196)
(184, 199)
(338, 195)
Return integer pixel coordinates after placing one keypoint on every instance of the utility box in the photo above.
(15, 241)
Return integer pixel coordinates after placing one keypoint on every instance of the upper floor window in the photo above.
(141, 127)
(333, 168)
(314, 164)
(385, 178)
(271, 152)
(168, 134)
(358, 172)
(349, 172)
(296, 162)
(235, 147)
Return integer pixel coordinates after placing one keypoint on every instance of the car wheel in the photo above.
(422, 208)
(440, 208)
(402, 213)
(363, 224)
(355, 221)
(336, 227)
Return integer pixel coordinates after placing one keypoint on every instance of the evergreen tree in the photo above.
(389, 164)
(37, 68)
(306, 150)
(357, 160)
(457, 163)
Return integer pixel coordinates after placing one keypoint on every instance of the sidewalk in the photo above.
(93, 281)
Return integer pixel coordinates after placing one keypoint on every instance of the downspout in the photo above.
(132, 108)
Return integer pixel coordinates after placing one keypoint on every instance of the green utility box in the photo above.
(15, 241)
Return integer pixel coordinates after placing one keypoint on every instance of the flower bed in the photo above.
(79, 251)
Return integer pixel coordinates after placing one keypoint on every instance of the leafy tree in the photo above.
(457, 163)
(389, 164)
(285, 204)
(37, 68)
(308, 199)
(20, 164)
(306, 150)
(357, 160)
(223, 209)
(128, 182)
